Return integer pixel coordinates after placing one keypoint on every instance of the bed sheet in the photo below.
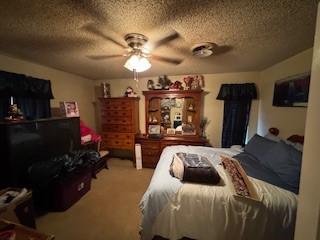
(173, 210)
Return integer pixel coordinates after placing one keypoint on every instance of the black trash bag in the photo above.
(43, 172)
(74, 160)
(93, 157)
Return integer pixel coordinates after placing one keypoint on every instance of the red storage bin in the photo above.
(68, 190)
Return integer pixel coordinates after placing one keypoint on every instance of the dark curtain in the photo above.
(237, 104)
(235, 122)
(34, 108)
(32, 95)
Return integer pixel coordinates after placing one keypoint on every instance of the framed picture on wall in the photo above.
(69, 109)
(292, 91)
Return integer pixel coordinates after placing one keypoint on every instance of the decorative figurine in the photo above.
(198, 82)
(165, 82)
(150, 84)
(129, 92)
(176, 86)
(14, 113)
(188, 82)
(154, 119)
(158, 86)
(105, 90)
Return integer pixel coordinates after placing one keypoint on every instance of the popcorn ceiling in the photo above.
(255, 34)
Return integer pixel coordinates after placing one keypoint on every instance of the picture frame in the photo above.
(69, 109)
(154, 129)
(188, 129)
(292, 91)
(171, 131)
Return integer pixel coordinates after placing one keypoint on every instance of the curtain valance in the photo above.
(19, 85)
(234, 92)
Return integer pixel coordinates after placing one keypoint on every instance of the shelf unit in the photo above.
(192, 109)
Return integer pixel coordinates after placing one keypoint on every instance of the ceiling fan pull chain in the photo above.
(136, 78)
(135, 75)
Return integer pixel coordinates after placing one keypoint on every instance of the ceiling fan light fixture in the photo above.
(203, 50)
(137, 63)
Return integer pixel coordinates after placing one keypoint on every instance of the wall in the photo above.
(308, 217)
(65, 86)
(289, 120)
(72, 87)
(213, 109)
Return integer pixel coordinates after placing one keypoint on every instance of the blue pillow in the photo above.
(259, 146)
(285, 161)
(272, 137)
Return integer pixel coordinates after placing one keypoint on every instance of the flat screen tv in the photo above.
(27, 142)
(292, 91)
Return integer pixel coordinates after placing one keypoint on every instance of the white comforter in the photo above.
(173, 210)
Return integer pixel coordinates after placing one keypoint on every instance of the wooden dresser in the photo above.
(167, 113)
(151, 149)
(119, 122)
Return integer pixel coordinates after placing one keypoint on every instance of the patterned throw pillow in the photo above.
(239, 179)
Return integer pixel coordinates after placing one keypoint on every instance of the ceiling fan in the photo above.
(136, 50)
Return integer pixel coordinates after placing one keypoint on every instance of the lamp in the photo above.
(137, 63)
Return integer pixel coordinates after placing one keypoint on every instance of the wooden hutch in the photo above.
(172, 118)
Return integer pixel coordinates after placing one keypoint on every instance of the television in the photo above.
(292, 91)
(26, 142)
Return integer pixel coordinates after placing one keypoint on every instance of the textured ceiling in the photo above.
(254, 33)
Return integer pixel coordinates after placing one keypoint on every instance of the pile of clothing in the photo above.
(42, 173)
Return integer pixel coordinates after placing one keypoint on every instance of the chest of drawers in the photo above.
(119, 122)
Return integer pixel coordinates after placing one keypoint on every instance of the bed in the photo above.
(173, 210)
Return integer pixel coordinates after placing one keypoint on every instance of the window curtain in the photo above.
(32, 95)
(237, 104)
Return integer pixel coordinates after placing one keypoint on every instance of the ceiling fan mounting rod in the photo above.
(136, 40)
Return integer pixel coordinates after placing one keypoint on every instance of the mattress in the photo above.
(174, 210)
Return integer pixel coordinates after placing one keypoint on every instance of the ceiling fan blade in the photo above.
(94, 30)
(222, 49)
(102, 57)
(170, 37)
(175, 61)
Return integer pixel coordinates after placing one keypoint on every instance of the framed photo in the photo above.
(188, 129)
(69, 109)
(292, 91)
(171, 131)
(154, 129)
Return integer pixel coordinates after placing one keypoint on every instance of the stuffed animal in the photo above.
(176, 85)
(129, 92)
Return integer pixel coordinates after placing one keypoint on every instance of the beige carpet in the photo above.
(108, 211)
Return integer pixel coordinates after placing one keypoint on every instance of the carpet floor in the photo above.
(108, 211)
